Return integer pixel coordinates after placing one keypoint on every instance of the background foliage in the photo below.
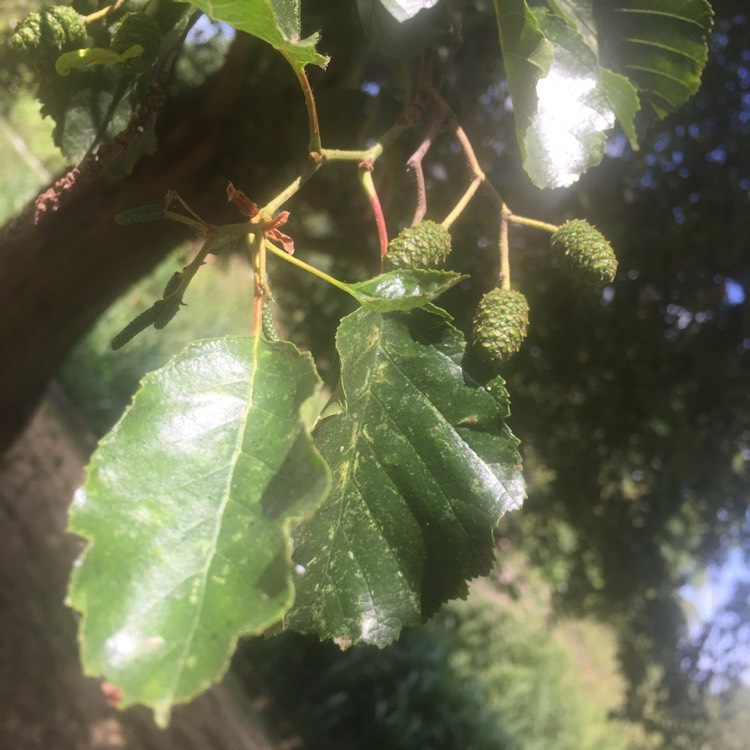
(633, 406)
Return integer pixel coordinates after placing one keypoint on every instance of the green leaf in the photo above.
(565, 99)
(92, 105)
(187, 508)
(625, 102)
(527, 56)
(423, 468)
(403, 290)
(567, 132)
(580, 15)
(95, 103)
(661, 47)
(275, 21)
(618, 90)
(81, 58)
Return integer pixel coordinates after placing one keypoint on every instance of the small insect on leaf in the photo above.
(140, 215)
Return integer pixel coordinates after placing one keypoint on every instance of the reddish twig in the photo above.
(365, 178)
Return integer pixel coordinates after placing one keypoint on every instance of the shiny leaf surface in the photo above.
(187, 511)
(275, 21)
(567, 131)
(660, 47)
(572, 72)
(423, 467)
(580, 15)
(527, 56)
(403, 290)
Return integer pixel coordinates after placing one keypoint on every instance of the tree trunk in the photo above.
(60, 270)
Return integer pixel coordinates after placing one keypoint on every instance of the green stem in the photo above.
(96, 15)
(524, 221)
(323, 155)
(259, 273)
(371, 154)
(188, 272)
(504, 248)
(462, 203)
(307, 267)
(276, 203)
(337, 154)
(186, 220)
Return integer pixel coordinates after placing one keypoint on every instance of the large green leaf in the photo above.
(527, 55)
(661, 47)
(624, 100)
(89, 107)
(617, 89)
(275, 21)
(561, 107)
(580, 15)
(572, 72)
(568, 130)
(403, 290)
(187, 510)
(423, 467)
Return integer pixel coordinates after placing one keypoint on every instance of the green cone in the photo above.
(43, 37)
(137, 28)
(586, 252)
(500, 325)
(427, 245)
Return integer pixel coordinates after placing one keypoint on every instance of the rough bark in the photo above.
(59, 274)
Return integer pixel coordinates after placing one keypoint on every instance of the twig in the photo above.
(414, 164)
(312, 166)
(504, 246)
(478, 178)
(365, 179)
(307, 267)
(314, 144)
(172, 197)
(97, 14)
(462, 203)
(534, 223)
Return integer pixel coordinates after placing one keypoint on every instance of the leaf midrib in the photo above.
(225, 500)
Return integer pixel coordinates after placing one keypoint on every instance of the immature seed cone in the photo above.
(586, 251)
(426, 245)
(500, 325)
(137, 28)
(43, 37)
